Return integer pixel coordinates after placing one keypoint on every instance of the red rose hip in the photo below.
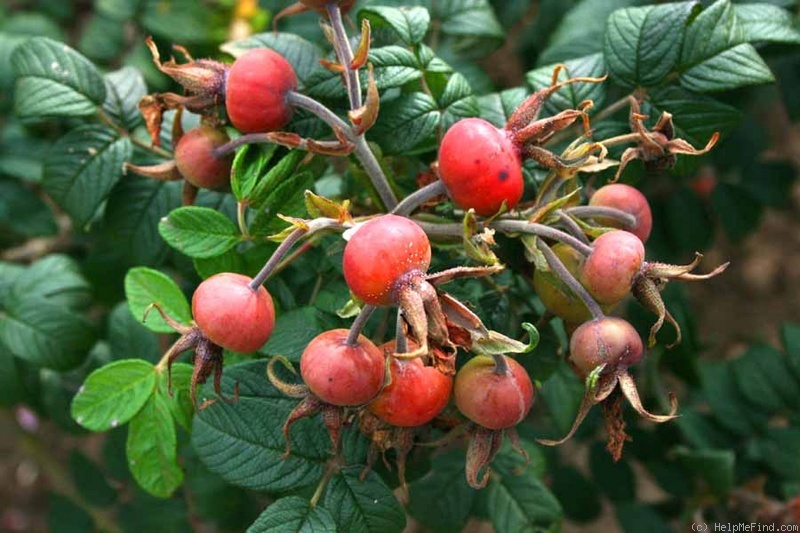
(341, 374)
(382, 251)
(629, 200)
(194, 156)
(480, 166)
(608, 340)
(415, 395)
(610, 269)
(256, 89)
(490, 397)
(231, 314)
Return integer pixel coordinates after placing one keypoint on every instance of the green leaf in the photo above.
(67, 517)
(83, 167)
(179, 401)
(53, 80)
(45, 334)
(18, 379)
(243, 442)
(303, 55)
(271, 190)
(578, 495)
(199, 232)
(739, 212)
(128, 338)
(780, 449)
(571, 96)
(562, 394)
(470, 24)
(366, 506)
(249, 165)
(144, 287)
(615, 478)
(90, 480)
(410, 23)
(497, 107)
(726, 402)
(56, 278)
(134, 209)
(696, 116)
(152, 449)
(764, 22)
(293, 514)
(638, 517)
(642, 44)
(763, 376)
(716, 467)
(295, 329)
(24, 214)
(715, 56)
(393, 66)
(457, 101)
(790, 334)
(416, 115)
(113, 394)
(287, 198)
(442, 498)
(124, 89)
(520, 501)
(582, 30)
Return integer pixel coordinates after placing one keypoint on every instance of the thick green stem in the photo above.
(540, 230)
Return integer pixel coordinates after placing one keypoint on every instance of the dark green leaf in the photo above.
(581, 30)
(102, 38)
(295, 329)
(134, 209)
(249, 165)
(152, 449)
(763, 376)
(303, 55)
(471, 24)
(90, 481)
(790, 334)
(562, 394)
(17, 379)
(199, 231)
(457, 101)
(416, 115)
(715, 467)
(124, 89)
(410, 23)
(763, 22)
(715, 56)
(144, 287)
(637, 517)
(614, 478)
(696, 117)
(268, 192)
(738, 211)
(571, 96)
(519, 501)
(394, 66)
(46, 334)
(285, 199)
(642, 44)
(578, 496)
(366, 506)
(780, 449)
(65, 516)
(243, 442)
(293, 514)
(181, 21)
(442, 498)
(83, 167)
(113, 394)
(58, 279)
(54, 80)
(22, 213)
(128, 338)
(726, 401)
(497, 107)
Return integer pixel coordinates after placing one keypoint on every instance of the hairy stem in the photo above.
(566, 276)
(540, 230)
(345, 54)
(591, 211)
(313, 226)
(571, 226)
(373, 169)
(419, 197)
(358, 324)
(319, 110)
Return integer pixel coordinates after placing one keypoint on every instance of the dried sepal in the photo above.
(365, 116)
(628, 387)
(647, 292)
(477, 242)
(484, 444)
(204, 77)
(292, 390)
(362, 51)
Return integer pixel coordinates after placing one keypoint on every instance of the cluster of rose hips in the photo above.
(587, 258)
